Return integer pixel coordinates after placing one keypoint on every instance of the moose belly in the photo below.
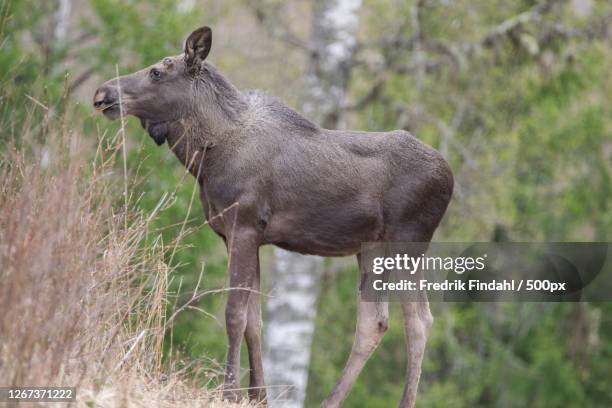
(325, 231)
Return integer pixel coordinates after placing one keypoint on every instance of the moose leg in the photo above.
(243, 248)
(252, 335)
(417, 323)
(372, 323)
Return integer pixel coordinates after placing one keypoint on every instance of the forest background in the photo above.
(515, 94)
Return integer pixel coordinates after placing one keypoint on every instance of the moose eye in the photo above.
(155, 73)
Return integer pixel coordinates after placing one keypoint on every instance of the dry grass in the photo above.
(84, 286)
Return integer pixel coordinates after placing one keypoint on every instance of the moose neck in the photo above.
(213, 118)
(217, 106)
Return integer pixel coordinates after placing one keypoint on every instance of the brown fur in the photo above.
(298, 186)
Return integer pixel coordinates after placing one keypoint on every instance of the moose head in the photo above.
(162, 93)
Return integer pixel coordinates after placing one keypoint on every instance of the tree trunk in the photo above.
(295, 279)
(61, 20)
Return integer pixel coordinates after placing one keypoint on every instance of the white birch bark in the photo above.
(61, 21)
(295, 279)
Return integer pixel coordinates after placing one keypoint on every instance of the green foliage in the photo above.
(152, 30)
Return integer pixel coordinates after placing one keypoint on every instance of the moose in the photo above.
(267, 175)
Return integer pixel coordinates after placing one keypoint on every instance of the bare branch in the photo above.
(372, 95)
(275, 25)
(510, 25)
(79, 80)
(597, 28)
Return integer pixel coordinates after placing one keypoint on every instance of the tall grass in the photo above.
(83, 282)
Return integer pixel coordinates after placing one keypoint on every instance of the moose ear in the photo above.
(197, 46)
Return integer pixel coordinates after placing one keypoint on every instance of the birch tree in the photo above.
(62, 21)
(295, 279)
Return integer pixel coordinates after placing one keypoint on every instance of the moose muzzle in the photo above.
(106, 100)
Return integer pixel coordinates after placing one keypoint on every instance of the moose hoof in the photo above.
(258, 395)
(231, 394)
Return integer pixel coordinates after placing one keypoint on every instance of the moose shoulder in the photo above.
(289, 183)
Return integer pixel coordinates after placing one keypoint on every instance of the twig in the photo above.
(78, 81)
(140, 336)
(275, 26)
(122, 130)
(199, 296)
(37, 102)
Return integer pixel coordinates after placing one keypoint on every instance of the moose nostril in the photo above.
(103, 97)
(99, 98)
